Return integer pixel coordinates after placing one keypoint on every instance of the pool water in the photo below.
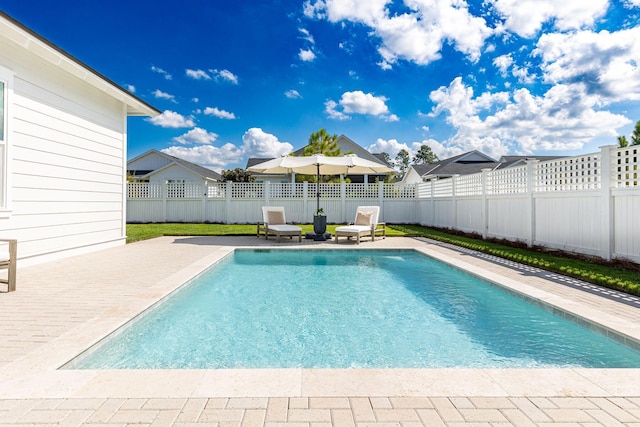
(349, 309)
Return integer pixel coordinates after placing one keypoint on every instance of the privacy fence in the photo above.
(588, 204)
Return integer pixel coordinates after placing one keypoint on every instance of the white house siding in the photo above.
(149, 162)
(68, 151)
(175, 172)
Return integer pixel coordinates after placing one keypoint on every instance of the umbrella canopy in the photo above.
(319, 164)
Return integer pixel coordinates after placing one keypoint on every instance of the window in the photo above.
(6, 83)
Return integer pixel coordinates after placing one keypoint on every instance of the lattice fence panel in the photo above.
(626, 167)
(569, 174)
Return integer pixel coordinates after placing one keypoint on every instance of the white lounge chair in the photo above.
(274, 223)
(8, 255)
(365, 224)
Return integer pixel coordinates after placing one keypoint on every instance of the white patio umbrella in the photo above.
(319, 164)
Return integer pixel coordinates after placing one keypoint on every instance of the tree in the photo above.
(321, 142)
(425, 155)
(387, 158)
(237, 175)
(402, 160)
(635, 135)
(622, 141)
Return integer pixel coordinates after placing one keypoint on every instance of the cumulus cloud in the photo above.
(163, 95)
(358, 102)
(306, 55)
(196, 136)
(416, 35)
(130, 88)
(608, 63)
(197, 74)
(392, 147)
(525, 17)
(565, 117)
(221, 114)
(171, 119)
(225, 75)
(162, 72)
(258, 143)
(292, 94)
(207, 155)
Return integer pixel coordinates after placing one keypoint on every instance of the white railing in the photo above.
(587, 204)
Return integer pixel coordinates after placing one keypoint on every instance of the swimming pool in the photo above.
(342, 309)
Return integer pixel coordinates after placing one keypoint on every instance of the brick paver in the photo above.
(56, 300)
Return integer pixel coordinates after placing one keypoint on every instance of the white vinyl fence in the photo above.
(588, 204)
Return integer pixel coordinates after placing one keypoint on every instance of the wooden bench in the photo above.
(8, 262)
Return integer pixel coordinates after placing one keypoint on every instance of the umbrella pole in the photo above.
(318, 188)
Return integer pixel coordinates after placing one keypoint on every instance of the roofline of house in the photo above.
(71, 64)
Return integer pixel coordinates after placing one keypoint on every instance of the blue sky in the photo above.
(239, 79)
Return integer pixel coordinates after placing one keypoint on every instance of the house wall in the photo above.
(174, 172)
(67, 151)
(149, 162)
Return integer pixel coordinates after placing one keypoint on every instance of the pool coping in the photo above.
(36, 375)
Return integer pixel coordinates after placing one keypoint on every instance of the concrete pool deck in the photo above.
(61, 308)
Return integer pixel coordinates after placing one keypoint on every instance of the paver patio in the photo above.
(63, 307)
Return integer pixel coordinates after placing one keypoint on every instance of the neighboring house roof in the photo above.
(205, 173)
(511, 161)
(38, 45)
(470, 163)
(462, 164)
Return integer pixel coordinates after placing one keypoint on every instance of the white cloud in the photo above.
(221, 114)
(258, 143)
(163, 95)
(130, 88)
(565, 117)
(196, 136)
(306, 35)
(171, 119)
(391, 147)
(503, 63)
(358, 102)
(416, 35)
(197, 74)
(162, 72)
(196, 100)
(292, 94)
(225, 75)
(306, 55)
(525, 17)
(608, 63)
(207, 155)
(330, 107)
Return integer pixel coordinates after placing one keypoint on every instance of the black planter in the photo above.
(319, 224)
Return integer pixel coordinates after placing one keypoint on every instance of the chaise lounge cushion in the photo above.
(275, 217)
(364, 218)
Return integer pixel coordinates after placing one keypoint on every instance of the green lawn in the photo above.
(625, 278)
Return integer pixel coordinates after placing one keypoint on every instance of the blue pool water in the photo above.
(342, 309)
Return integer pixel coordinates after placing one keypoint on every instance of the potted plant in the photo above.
(319, 222)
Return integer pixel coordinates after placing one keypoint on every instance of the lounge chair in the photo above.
(8, 256)
(274, 223)
(365, 224)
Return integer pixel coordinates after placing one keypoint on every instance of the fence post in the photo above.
(531, 201)
(381, 194)
(607, 244)
(165, 196)
(454, 200)
(228, 192)
(484, 177)
(305, 199)
(204, 192)
(343, 201)
(265, 192)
